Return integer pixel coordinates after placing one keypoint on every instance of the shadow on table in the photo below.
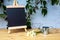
(17, 30)
(53, 31)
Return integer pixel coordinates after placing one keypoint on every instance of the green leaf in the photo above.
(28, 24)
(54, 2)
(57, 2)
(41, 6)
(37, 2)
(44, 3)
(28, 16)
(2, 15)
(30, 11)
(5, 13)
(34, 10)
(27, 6)
(36, 7)
(4, 7)
(28, 1)
(30, 6)
(44, 11)
(0, 4)
(41, 1)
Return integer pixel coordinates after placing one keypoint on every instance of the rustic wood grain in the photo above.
(21, 35)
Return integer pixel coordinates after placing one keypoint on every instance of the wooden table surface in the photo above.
(21, 35)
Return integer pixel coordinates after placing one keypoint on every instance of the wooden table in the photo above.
(54, 35)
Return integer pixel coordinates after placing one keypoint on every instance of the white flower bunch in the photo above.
(31, 33)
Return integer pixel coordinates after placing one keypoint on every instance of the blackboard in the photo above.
(16, 17)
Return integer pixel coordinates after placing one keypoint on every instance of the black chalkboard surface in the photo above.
(16, 17)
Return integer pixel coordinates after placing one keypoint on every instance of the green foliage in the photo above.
(44, 11)
(4, 7)
(54, 2)
(28, 25)
(2, 15)
(44, 3)
(41, 1)
(30, 8)
(4, 10)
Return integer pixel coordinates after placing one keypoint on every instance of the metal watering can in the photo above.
(45, 30)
